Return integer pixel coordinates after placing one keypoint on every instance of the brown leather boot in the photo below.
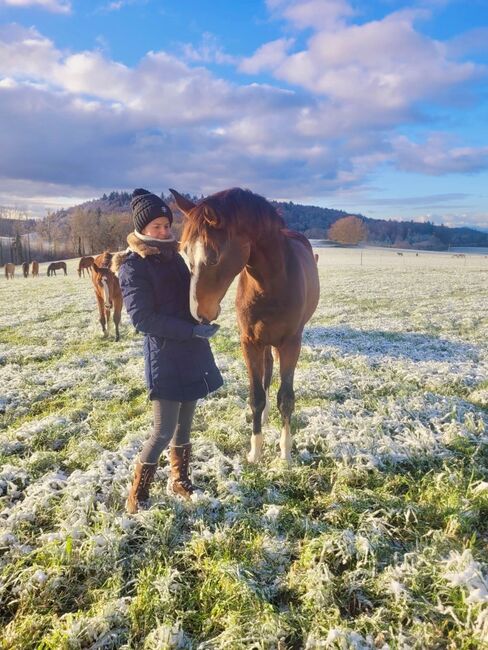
(179, 481)
(139, 491)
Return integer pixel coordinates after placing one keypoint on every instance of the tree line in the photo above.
(104, 223)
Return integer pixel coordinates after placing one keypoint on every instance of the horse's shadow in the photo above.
(380, 343)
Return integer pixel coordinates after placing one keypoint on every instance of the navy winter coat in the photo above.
(156, 296)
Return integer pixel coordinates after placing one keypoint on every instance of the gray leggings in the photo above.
(172, 423)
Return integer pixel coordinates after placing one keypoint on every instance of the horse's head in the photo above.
(215, 252)
(104, 281)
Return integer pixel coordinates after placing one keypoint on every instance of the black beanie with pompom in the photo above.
(146, 207)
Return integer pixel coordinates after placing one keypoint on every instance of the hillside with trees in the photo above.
(104, 223)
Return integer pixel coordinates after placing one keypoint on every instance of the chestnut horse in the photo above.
(25, 269)
(9, 270)
(35, 269)
(107, 292)
(236, 232)
(85, 263)
(56, 266)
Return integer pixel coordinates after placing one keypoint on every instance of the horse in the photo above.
(236, 232)
(51, 269)
(107, 292)
(35, 269)
(25, 269)
(9, 270)
(85, 263)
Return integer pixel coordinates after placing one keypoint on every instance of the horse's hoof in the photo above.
(253, 458)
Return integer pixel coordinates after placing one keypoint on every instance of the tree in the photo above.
(348, 230)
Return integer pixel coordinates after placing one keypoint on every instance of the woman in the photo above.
(179, 364)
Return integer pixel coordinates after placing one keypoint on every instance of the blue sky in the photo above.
(378, 107)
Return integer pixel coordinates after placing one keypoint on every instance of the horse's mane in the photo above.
(232, 210)
(104, 259)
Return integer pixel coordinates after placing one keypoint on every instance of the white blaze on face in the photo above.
(196, 256)
(106, 293)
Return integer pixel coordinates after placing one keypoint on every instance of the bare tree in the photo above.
(348, 230)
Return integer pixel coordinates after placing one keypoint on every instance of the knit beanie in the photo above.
(146, 207)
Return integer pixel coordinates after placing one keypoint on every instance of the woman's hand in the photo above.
(205, 330)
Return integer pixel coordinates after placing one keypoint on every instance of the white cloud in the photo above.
(269, 56)
(55, 6)
(438, 156)
(208, 51)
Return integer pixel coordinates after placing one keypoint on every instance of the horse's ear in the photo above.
(184, 204)
(211, 217)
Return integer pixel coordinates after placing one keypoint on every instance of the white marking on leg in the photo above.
(264, 419)
(254, 456)
(196, 255)
(285, 443)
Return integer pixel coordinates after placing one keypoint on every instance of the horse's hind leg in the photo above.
(288, 353)
(254, 358)
(268, 374)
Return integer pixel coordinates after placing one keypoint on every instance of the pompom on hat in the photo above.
(146, 207)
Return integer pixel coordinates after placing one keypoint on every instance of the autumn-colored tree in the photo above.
(348, 230)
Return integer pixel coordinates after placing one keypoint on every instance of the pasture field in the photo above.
(375, 537)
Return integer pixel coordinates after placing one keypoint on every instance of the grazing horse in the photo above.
(107, 292)
(54, 266)
(25, 269)
(85, 263)
(236, 232)
(9, 271)
(35, 269)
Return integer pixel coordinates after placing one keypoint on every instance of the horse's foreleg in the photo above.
(107, 316)
(268, 374)
(254, 358)
(117, 312)
(288, 353)
(101, 311)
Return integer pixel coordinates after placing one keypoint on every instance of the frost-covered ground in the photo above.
(375, 537)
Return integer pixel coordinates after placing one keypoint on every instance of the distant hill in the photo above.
(312, 220)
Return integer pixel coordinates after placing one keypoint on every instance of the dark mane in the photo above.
(232, 210)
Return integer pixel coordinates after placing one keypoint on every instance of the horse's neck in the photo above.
(266, 265)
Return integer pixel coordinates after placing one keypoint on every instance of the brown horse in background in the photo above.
(107, 292)
(236, 232)
(9, 270)
(56, 266)
(35, 269)
(85, 263)
(25, 269)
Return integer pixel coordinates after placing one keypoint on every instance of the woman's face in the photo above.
(158, 228)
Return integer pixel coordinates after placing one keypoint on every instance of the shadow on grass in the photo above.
(379, 343)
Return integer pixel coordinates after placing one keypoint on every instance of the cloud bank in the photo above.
(331, 113)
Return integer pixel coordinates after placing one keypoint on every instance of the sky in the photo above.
(375, 107)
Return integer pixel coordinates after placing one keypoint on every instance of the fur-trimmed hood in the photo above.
(144, 246)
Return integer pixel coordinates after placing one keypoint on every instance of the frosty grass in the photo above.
(375, 537)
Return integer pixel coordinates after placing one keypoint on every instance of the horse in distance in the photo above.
(35, 269)
(85, 263)
(237, 232)
(56, 266)
(9, 270)
(107, 292)
(25, 269)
